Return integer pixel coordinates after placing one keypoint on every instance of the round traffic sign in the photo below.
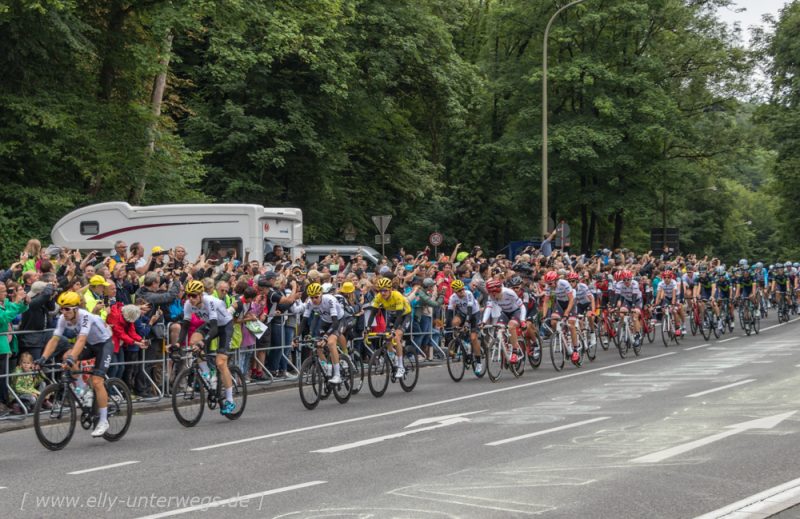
(435, 239)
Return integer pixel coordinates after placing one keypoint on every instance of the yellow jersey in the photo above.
(394, 303)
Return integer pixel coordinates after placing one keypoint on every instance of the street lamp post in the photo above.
(544, 113)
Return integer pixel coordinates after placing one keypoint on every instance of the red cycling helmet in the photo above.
(618, 275)
(494, 285)
(627, 275)
(573, 276)
(550, 276)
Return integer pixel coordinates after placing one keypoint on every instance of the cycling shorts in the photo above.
(705, 293)
(224, 336)
(631, 305)
(101, 353)
(397, 320)
(507, 317)
(472, 319)
(723, 294)
(584, 308)
(781, 289)
(560, 308)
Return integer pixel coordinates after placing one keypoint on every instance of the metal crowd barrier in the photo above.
(168, 370)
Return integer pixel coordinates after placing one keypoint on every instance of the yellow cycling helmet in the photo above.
(195, 287)
(347, 288)
(69, 300)
(457, 285)
(314, 290)
(384, 284)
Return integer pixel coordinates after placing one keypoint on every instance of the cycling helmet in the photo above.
(194, 287)
(743, 263)
(669, 274)
(314, 290)
(515, 281)
(550, 277)
(796, 265)
(771, 267)
(721, 270)
(573, 276)
(787, 264)
(327, 287)
(457, 285)
(759, 265)
(347, 288)
(69, 300)
(627, 275)
(494, 285)
(384, 284)
(618, 275)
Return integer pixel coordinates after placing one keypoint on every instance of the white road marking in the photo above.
(425, 406)
(439, 419)
(701, 393)
(443, 421)
(726, 340)
(785, 495)
(761, 423)
(104, 467)
(3, 488)
(224, 502)
(695, 347)
(546, 431)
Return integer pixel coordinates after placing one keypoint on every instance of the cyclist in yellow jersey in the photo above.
(398, 312)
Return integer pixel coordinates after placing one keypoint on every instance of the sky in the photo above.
(754, 9)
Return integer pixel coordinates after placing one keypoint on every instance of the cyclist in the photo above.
(780, 284)
(704, 289)
(722, 293)
(351, 308)
(584, 301)
(330, 313)
(746, 289)
(563, 306)
(398, 313)
(629, 298)
(517, 284)
(93, 340)
(218, 324)
(668, 296)
(504, 306)
(463, 308)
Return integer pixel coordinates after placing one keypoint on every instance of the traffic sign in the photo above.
(383, 239)
(382, 222)
(435, 239)
(562, 235)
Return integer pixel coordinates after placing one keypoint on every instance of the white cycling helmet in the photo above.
(743, 263)
(721, 270)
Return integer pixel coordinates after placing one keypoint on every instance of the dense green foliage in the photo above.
(429, 110)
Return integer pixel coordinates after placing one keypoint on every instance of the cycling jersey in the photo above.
(328, 308)
(210, 309)
(724, 284)
(395, 303)
(668, 288)
(465, 305)
(89, 325)
(630, 293)
(582, 294)
(562, 291)
(508, 303)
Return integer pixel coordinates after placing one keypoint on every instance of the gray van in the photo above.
(316, 253)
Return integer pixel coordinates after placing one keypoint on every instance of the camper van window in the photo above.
(218, 248)
(90, 228)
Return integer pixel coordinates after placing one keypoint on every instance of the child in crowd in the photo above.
(25, 386)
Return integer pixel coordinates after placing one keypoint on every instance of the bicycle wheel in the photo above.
(380, 369)
(706, 325)
(310, 381)
(557, 351)
(188, 397)
(517, 368)
(54, 417)
(535, 351)
(693, 318)
(494, 359)
(239, 392)
(615, 332)
(624, 343)
(755, 324)
(651, 330)
(714, 320)
(666, 329)
(342, 392)
(637, 349)
(591, 349)
(455, 359)
(120, 409)
(602, 338)
(411, 376)
(358, 372)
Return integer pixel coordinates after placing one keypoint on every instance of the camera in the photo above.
(130, 267)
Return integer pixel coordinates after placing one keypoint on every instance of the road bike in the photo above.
(695, 321)
(783, 309)
(584, 335)
(668, 333)
(382, 368)
(626, 341)
(648, 324)
(314, 382)
(749, 317)
(192, 391)
(608, 328)
(533, 347)
(500, 353)
(56, 410)
(708, 325)
(459, 355)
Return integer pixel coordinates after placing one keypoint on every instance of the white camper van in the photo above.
(198, 227)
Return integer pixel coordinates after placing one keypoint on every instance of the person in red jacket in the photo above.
(123, 333)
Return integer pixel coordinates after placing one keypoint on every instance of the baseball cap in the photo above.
(98, 280)
(156, 249)
(384, 270)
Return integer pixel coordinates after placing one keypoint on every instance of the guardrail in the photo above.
(288, 356)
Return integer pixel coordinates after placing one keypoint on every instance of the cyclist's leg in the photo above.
(224, 335)
(473, 336)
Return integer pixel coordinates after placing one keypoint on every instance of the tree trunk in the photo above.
(156, 98)
(618, 221)
(114, 38)
(591, 233)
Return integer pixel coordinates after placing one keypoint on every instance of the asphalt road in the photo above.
(678, 432)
